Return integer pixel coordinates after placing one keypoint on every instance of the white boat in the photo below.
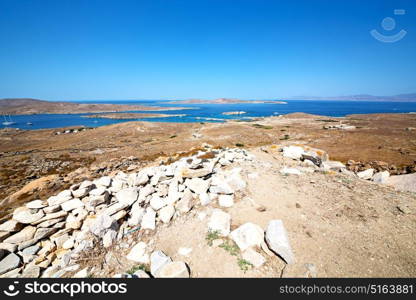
(10, 122)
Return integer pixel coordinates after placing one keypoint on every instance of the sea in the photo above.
(210, 112)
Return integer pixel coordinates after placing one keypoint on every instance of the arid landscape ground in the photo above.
(338, 226)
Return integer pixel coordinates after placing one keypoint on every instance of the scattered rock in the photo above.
(10, 262)
(248, 235)
(177, 269)
(138, 253)
(220, 221)
(367, 174)
(157, 260)
(278, 242)
(253, 257)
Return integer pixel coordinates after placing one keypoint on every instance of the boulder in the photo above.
(333, 165)
(157, 202)
(10, 262)
(36, 204)
(253, 257)
(166, 213)
(11, 226)
(128, 195)
(60, 198)
(136, 214)
(204, 199)
(25, 216)
(102, 224)
(24, 235)
(177, 269)
(185, 204)
(405, 182)
(149, 219)
(248, 235)
(293, 152)
(72, 204)
(157, 260)
(104, 181)
(220, 186)
(366, 174)
(220, 221)
(278, 242)
(381, 177)
(197, 185)
(31, 271)
(138, 253)
(109, 238)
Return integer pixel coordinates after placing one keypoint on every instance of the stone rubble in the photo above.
(45, 237)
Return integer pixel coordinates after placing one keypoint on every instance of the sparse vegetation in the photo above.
(244, 264)
(230, 247)
(136, 268)
(239, 145)
(211, 236)
(285, 137)
(173, 136)
(262, 126)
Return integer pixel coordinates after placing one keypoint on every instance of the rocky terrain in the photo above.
(272, 211)
(34, 106)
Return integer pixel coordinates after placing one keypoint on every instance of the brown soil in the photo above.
(28, 155)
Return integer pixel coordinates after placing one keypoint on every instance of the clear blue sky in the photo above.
(98, 49)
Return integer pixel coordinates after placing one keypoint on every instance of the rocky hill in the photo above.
(265, 212)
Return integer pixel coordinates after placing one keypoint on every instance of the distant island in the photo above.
(27, 106)
(224, 101)
(362, 97)
(234, 113)
(125, 116)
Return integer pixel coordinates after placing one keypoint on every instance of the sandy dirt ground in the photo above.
(338, 226)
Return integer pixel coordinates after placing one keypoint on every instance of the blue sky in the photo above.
(98, 49)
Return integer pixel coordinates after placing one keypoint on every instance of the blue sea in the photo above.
(213, 112)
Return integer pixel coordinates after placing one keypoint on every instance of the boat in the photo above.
(7, 123)
(29, 123)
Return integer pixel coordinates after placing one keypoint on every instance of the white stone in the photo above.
(24, 235)
(253, 257)
(366, 174)
(166, 213)
(138, 253)
(278, 242)
(11, 226)
(81, 274)
(128, 195)
(197, 185)
(294, 152)
(157, 202)
(104, 181)
(60, 198)
(25, 216)
(290, 171)
(149, 219)
(136, 214)
(102, 224)
(226, 200)
(68, 244)
(72, 204)
(9, 263)
(204, 199)
(36, 204)
(185, 204)
(220, 221)
(381, 177)
(145, 191)
(248, 235)
(157, 260)
(109, 238)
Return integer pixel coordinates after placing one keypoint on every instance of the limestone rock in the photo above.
(197, 185)
(149, 219)
(253, 257)
(381, 177)
(166, 213)
(220, 221)
(293, 152)
(72, 204)
(11, 226)
(157, 260)
(36, 204)
(138, 253)
(24, 235)
(366, 174)
(278, 242)
(185, 204)
(290, 171)
(25, 216)
(248, 235)
(10, 262)
(104, 181)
